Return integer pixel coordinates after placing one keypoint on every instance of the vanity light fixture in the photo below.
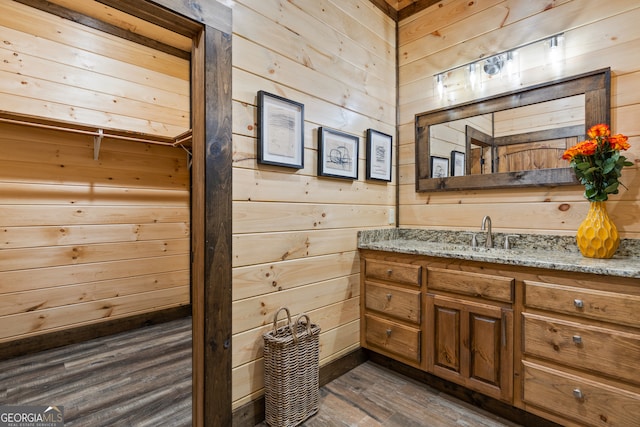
(555, 51)
(473, 77)
(439, 81)
(504, 65)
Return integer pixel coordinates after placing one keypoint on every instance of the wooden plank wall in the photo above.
(82, 240)
(453, 33)
(87, 240)
(294, 233)
(55, 68)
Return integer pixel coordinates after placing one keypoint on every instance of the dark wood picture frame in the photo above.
(458, 163)
(379, 155)
(281, 131)
(337, 154)
(439, 167)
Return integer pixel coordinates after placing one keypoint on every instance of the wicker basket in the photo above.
(291, 368)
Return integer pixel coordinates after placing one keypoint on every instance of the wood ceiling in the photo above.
(400, 9)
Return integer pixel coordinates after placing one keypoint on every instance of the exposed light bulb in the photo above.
(440, 85)
(473, 77)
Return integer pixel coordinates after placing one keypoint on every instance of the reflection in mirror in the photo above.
(513, 139)
(519, 139)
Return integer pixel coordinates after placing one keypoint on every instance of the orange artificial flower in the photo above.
(598, 130)
(619, 142)
(584, 148)
(597, 162)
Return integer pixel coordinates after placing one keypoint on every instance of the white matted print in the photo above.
(439, 167)
(458, 166)
(379, 153)
(337, 154)
(281, 131)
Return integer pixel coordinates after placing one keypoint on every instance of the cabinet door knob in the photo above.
(389, 297)
(388, 332)
(577, 393)
(578, 303)
(577, 339)
(389, 272)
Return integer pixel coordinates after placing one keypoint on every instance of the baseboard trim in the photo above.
(79, 334)
(253, 413)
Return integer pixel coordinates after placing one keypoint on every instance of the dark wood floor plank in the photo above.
(143, 378)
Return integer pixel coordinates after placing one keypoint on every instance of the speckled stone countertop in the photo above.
(530, 250)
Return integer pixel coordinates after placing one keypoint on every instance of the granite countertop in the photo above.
(552, 252)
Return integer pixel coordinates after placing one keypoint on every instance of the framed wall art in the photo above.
(281, 131)
(379, 149)
(337, 154)
(458, 165)
(439, 167)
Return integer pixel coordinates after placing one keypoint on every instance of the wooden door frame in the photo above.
(209, 24)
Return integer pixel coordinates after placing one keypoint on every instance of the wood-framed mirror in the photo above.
(514, 139)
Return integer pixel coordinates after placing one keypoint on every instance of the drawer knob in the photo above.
(388, 332)
(578, 303)
(577, 339)
(389, 297)
(577, 393)
(389, 272)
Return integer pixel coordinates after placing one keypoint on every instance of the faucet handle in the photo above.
(507, 243)
(474, 239)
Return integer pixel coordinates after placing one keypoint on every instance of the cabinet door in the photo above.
(471, 344)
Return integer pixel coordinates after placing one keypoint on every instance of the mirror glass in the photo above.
(514, 139)
(519, 139)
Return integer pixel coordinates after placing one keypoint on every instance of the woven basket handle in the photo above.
(307, 323)
(291, 328)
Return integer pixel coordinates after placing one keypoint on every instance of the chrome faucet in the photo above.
(486, 225)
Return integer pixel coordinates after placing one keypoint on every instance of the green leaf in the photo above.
(612, 188)
(583, 165)
(608, 166)
(590, 192)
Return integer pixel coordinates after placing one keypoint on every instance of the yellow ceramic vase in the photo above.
(597, 235)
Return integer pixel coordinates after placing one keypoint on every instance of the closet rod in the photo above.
(168, 141)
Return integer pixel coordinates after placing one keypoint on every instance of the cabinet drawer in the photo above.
(588, 402)
(393, 271)
(582, 346)
(392, 337)
(588, 303)
(487, 286)
(403, 304)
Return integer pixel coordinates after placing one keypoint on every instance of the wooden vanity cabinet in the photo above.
(455, 324)
(581, 351)
(564, 346)
(469, 330)
(391, 309)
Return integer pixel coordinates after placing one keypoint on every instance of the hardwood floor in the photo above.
(137, 378)
(373, 396)
(143, 378)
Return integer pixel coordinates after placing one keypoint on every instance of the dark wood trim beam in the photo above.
(170, 15)
(388, 10)
(198, 103)
(405, 12)
(209, 12)
(415, 7)
(79, 334)
(218, 232)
